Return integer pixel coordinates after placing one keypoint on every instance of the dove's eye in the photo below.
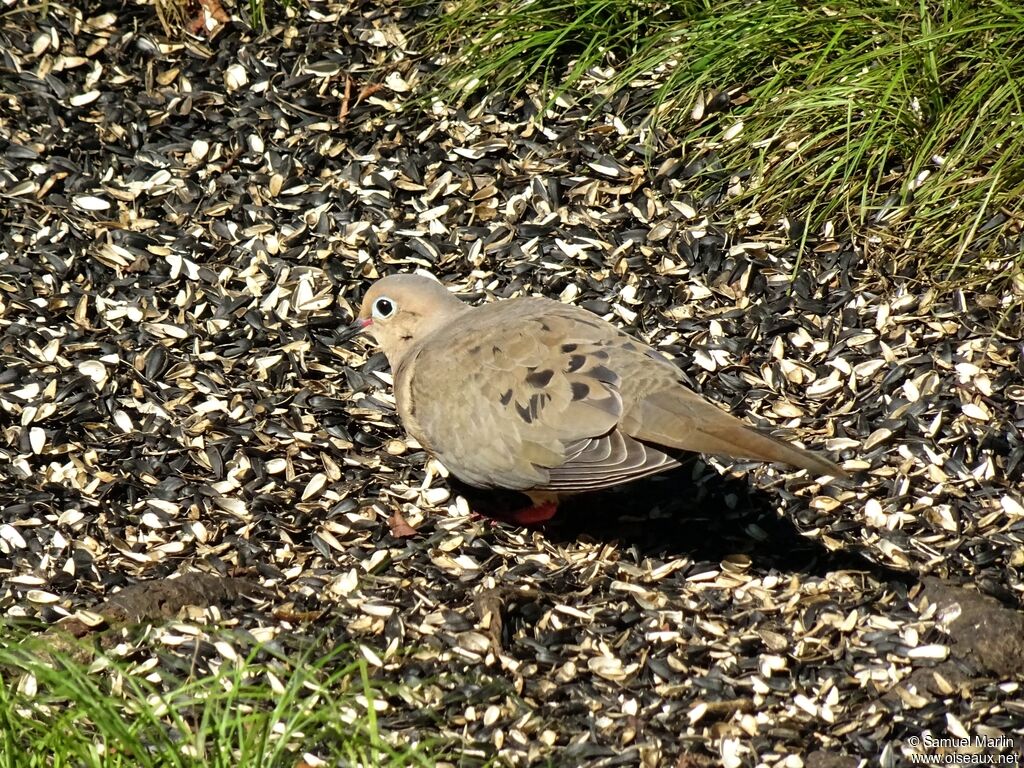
(383, 308)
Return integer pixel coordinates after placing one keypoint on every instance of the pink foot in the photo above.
(534, 515)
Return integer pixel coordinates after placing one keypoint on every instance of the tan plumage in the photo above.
(534, 395)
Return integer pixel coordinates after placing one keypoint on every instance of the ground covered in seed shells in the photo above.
(186, 227)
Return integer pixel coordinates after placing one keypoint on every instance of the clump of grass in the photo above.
(897, 120)
(57, 710)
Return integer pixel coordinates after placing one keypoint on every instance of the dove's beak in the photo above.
(359, 325)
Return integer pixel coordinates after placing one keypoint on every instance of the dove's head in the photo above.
(401, 310)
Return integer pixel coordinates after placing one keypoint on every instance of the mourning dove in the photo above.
(545, 398)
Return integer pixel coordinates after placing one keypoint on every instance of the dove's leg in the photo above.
(545, 505)
(507, 506)
(538, 513)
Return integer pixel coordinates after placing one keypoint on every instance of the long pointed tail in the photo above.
(679, 418)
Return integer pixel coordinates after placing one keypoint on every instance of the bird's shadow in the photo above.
(689, 512)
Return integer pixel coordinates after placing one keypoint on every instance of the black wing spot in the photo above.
(629, 346)
(474, 349)
(524, 413)
(536, 404)
(601, 354)
(539, 379)
(576, 362)
(603, 373)
(506, 398)
(570, 347)
(580, 390)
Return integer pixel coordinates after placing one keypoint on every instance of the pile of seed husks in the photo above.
(187, 224)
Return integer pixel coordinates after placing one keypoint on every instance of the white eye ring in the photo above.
(383, 308)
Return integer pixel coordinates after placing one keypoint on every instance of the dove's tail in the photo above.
(681, 419)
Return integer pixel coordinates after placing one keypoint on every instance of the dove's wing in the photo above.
(520, 394)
